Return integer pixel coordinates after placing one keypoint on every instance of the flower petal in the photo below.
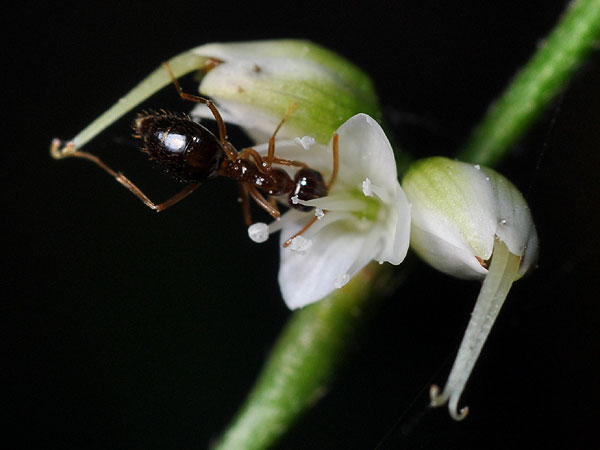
(396, 236)
(365, 152)
(335, 252)
(515, 222)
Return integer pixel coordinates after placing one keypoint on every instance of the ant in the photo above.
(191, 153)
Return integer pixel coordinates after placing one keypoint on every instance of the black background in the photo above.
(127, 329)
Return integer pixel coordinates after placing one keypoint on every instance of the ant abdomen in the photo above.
(182, 147)
(309, 185)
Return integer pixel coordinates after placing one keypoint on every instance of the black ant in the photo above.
(191, 153)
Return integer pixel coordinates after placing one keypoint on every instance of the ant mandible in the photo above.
(191, 153)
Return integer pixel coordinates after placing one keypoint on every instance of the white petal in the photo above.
(366, 152)
(515, 223)
(396, 235)
(257, 124)
(454, 258)
(307, 278)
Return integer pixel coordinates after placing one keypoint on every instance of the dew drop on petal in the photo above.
(319, 213)
(300, 245)
(477, 166)
(366, 188)
(258, 232)
(306, 142)
(502, 221)
(341, 281)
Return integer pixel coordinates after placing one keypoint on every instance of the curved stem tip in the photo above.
(502, 272)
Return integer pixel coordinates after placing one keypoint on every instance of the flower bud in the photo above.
(458, 211)
(470, 222)
(254, 84)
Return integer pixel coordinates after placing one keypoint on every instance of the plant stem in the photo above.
(302, 363)
(536, 85)
(180, 65)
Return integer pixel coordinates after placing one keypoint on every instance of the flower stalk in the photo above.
(181, 65)
(502, 272)
(304, 360)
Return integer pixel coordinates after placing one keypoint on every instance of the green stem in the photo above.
(536, 85)
(302, 363)
(180, 65)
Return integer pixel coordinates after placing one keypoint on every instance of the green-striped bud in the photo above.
(458, 211)
(470, 222)
(254, 84)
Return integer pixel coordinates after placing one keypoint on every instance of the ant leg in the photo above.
(133, 188)
(290, 162)
(271, 154)
(261, 164)
(231, 153)
(303, 230)
(245, 204)
(336, 161)
(250, 152)
(262, 202)
(272, 201)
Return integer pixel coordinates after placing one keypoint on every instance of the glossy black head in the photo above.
(182, 147)
(309, 185)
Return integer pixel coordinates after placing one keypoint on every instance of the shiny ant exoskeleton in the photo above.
(191, 153)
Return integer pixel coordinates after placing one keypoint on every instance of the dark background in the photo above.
(127, 329)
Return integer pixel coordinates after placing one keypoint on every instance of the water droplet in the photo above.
(319, 213)
(300, 245)
(342, 280)
(306, 142)
(502, 221)
(477, 166)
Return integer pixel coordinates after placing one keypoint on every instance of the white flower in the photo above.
(470, 222)
(356, 228)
